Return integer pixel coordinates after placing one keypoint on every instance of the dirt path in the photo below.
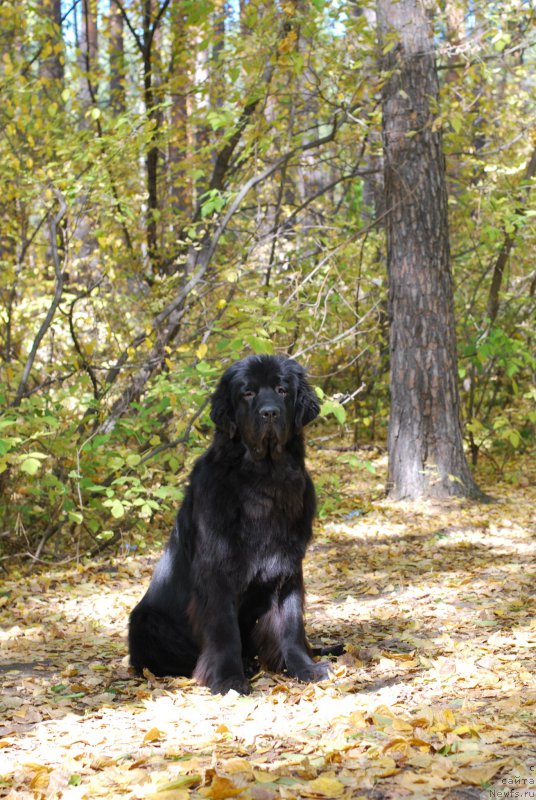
(436, 696)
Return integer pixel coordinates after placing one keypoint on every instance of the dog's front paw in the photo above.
(315, 671)
(236, 682)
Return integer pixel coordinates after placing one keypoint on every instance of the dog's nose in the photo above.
(269, 413)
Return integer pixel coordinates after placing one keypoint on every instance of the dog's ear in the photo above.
(221, 406)
(307, 405)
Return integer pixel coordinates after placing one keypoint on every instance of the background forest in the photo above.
(185, 182)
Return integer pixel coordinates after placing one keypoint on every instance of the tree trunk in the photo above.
(51, 67)
(179, 183)
(426, 456)
(151, 158)
(117, 59)
(88, 56)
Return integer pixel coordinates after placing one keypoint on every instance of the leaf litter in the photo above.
(435, 696)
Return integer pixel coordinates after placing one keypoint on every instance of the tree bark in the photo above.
(426, 455)
(151, 158)
(51, 67)
(117, 59)
(179, 183)
(88, 55)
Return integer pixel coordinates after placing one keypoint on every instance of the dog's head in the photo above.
(264, 400)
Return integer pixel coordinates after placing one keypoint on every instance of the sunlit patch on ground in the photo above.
(435, 696)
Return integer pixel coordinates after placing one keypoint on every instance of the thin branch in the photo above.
(131, 28)
(161, 11)
(508, 243)
(182, 439)
(198, 261)
(83, 359)
(54, 225)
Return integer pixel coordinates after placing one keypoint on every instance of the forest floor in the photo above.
(434, 698)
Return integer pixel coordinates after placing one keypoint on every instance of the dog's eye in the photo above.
(281, 390)
(249, 395)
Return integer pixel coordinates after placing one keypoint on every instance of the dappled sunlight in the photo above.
(437, 688)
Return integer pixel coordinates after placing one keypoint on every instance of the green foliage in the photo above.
(494, 369)
(298, 267)
(328, 493)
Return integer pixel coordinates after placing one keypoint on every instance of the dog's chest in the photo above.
(273, 505)
(272, 537)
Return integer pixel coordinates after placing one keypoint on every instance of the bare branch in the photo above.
(508, 243)
(54, 225)
(197, 265)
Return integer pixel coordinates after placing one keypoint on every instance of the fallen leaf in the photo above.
(323, 787)
(263, 777)
(476, 776)
(220, 788)
(154, 735)
(180, 782)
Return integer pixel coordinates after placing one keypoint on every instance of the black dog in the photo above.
(229, 587)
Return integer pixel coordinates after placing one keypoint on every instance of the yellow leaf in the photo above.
(40, 778)
(101, 762)
(201, 350)
(387, 767)
(220, 788)
(325, 787)
(37, 767)
(357, 719)
(399, 745)
(154, 735)
(419, 781)
(461, 729)
(420, 743)
(449, 717)
(400, 656)
(401, 725)
(289, 42)
(421, 722)
(234, 765)
(475, 776)
(263, 777)
(222, 729)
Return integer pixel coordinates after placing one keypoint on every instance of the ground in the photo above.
(434, 698)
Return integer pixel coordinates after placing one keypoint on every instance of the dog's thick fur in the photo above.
(228, 589)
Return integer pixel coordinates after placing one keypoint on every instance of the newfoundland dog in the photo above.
(228, 589)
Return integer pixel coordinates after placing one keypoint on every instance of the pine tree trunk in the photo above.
(426, 456)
